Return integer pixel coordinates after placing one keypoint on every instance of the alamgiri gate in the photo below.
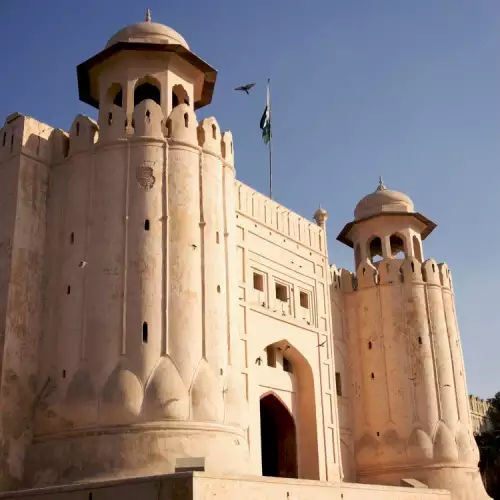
(170, 333)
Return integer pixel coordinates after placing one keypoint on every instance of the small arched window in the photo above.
(375, 249)
(114, 95)
(397, 247)
(179, 96)
(147, 88)
(118, 99)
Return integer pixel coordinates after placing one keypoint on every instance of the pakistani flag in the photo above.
(265, 121)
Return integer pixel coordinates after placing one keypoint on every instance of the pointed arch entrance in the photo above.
(287, 378)
(278, 439)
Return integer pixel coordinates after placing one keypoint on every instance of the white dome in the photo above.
(147, 32)
(383, 200)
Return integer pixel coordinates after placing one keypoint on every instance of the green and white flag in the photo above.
(265, 121)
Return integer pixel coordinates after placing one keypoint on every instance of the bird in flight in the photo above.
(246, 88)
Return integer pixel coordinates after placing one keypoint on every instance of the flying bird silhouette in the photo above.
(245, 88)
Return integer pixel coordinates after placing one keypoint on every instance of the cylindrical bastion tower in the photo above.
(138, 351)
(408, 392)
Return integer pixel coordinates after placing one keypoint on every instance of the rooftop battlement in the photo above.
(262, 209)
(23, 134)
(391, 272)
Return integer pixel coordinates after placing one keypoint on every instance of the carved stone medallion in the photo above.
(144, 175)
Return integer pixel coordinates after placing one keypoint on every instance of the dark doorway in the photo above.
(278, 439)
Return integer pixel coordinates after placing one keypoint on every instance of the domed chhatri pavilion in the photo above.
(171, 333)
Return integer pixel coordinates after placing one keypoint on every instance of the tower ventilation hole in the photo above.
(77, 129)
(186, 120)
(146, 225)
(217, 237)
(145, 333)
(148, 116)
(369, 345)
(72, 238)
(420, 340)
(218, 288)
(214, 131)
(373, 375)
(68, 289)
(110, 118)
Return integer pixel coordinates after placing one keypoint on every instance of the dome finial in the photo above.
(381, 185)
(148, 15)
(320, 216)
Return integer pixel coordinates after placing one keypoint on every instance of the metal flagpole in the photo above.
(270, 139)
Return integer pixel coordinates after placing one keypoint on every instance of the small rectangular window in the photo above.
(287, 366)
(304, 300)
(338, 384)
(271, 357)
(258, 282)
(281, 292)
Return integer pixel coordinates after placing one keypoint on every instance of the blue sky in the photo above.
(409, 90)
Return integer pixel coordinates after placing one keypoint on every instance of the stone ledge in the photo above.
(200, 485)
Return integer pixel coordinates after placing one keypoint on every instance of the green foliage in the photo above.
(489, 448)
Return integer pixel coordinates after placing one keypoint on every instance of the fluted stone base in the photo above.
(134, 450)
(464, 482)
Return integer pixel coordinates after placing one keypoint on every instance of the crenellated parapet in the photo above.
(83, 135)
(479, 414)
(33, 139)
(268, 212)
(394, 272)
(23, 134)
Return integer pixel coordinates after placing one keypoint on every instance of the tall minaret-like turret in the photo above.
(140, 342)
(407, 392)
